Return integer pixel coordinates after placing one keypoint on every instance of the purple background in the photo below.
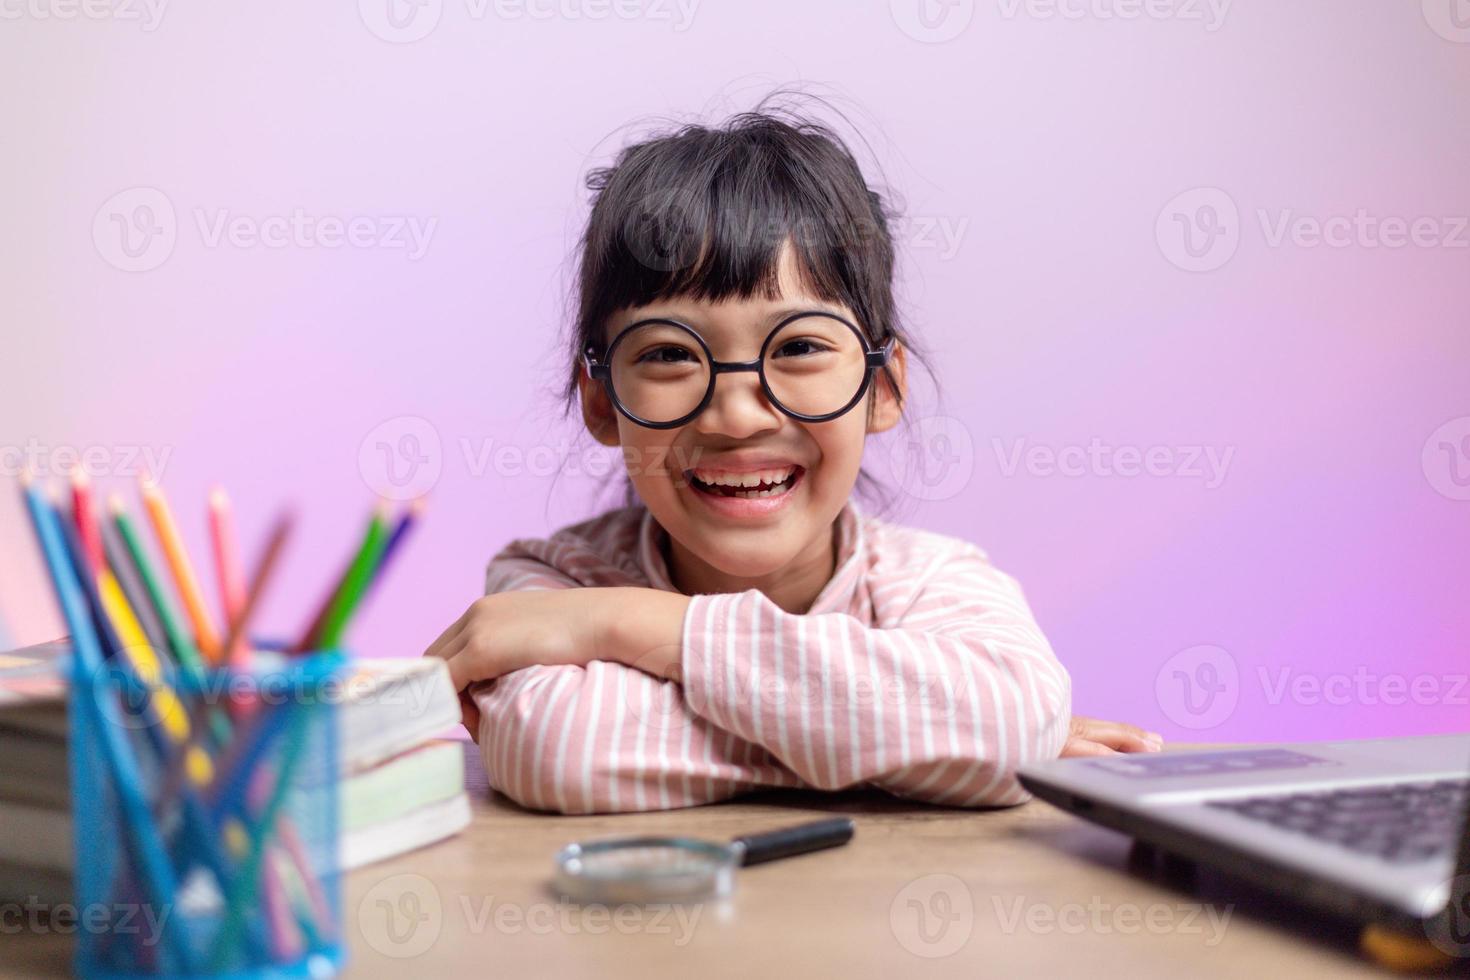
(1050, 158)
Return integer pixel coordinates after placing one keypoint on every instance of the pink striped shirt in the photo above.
(919, 670)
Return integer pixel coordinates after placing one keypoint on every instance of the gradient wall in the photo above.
(1196, 276)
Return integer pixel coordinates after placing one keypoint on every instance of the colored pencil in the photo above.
(179, 640)
(356, 581)
(187, 583)
(227, 567)
(311, 638)
(86, 517)
(133, 589)
(405, 524)
(148, 849)
(237, 642)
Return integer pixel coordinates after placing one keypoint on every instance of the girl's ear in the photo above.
(886, 410)
(597, 411)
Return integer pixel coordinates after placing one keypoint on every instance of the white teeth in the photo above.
(753, 479)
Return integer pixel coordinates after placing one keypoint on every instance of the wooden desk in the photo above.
(920, 891)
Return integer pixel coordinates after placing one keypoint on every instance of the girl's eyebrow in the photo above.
(768, 320)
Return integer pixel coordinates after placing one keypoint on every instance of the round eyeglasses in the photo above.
(813, 366)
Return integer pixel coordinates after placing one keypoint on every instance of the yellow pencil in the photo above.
(172, 543)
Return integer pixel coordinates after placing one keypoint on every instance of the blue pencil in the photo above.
(87, 654)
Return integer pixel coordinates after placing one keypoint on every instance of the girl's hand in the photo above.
(509, 631)
(1089, 736)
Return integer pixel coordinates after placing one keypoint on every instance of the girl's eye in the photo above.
(666, 354)
(800, 348)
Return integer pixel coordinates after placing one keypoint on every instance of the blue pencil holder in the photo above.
(205, 824)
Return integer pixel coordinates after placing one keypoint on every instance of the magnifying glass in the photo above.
(680, 869)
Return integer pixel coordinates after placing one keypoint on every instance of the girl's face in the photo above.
(739, 437)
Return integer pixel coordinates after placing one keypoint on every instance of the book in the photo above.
(401, 804)
(400, 788)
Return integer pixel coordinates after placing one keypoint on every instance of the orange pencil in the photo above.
(88, 531)
(172, 543)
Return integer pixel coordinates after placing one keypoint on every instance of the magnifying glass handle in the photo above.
(800, 839)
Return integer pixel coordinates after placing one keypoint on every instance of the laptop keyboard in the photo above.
(1402, 822)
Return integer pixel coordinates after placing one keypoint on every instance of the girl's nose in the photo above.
(738, 408)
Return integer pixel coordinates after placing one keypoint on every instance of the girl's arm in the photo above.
(581, 735)
(944, 707)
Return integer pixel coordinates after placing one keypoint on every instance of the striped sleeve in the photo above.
(604, 738)
(944, 706)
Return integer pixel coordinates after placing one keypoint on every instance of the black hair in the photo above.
(704, 212)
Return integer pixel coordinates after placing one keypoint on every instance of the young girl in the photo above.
(742, 623)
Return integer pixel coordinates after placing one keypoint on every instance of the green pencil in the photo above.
(355, 582)
(178, 641)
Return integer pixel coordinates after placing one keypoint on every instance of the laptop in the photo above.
(1375, 830)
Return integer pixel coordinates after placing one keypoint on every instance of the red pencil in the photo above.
(88, 531)
(227, 567)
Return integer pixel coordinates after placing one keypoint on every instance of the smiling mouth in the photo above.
(746, 486)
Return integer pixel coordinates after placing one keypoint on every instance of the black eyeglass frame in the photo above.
(600, 369)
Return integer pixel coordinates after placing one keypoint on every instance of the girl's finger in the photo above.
(436, 649)
(1116, 732)
(1077, 747)
(470, 715)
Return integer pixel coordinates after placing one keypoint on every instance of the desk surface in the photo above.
(920, 891)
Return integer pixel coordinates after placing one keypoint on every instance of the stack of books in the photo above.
(401, 786)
